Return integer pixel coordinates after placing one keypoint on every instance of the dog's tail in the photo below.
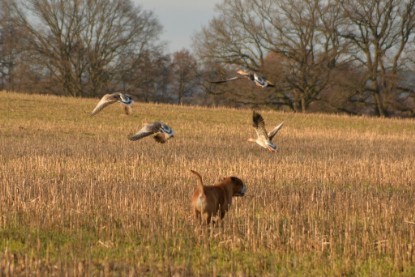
(200, 185)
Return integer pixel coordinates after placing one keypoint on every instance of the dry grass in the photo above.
(77, 197)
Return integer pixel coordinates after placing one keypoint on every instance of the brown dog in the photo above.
(208, 201)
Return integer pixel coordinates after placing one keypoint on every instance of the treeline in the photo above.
(351, 56)
(86, 48)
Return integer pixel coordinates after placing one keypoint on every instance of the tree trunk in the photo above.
(303, 104)
(380, 109)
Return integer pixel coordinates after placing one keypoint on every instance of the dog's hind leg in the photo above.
(198, 216)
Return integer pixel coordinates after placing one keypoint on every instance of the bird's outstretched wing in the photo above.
(226, 80)
(147, 130)
(105, 101)
(274, 131)
(259, 125)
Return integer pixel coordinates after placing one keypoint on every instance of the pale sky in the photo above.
(180, 19)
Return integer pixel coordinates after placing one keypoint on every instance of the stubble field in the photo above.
(78, 198)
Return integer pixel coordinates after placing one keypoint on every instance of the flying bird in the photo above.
(264, 139)
(161, 132)
(110, 98)
(259, 80)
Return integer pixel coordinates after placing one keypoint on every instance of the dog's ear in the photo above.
(236, 180)
(238, 183)
(225, 180)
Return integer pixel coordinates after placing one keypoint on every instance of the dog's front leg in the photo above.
(223, 210)
(208, 218)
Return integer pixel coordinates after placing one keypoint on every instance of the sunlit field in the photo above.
(78, 198)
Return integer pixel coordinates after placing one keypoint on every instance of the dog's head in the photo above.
(238, 186)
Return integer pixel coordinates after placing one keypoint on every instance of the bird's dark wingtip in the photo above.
(256, 118)
(131, 137)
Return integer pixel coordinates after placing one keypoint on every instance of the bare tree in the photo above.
(79, 43)
(184, 74)
(301, 31)
(379, 30)
(146, 75)
(11, 46)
